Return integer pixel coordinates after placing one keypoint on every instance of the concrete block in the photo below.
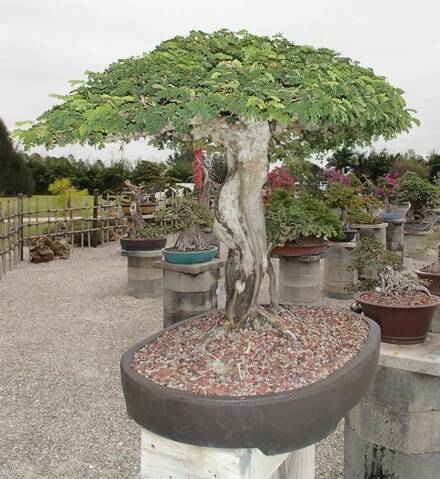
(298, 295)
(435, 325)
(407, 432)
(365, 460)
(190, 283)
(394, 432)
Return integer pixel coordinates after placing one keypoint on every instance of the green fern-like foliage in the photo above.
(316, 97)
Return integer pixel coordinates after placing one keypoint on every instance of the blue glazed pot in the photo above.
(189, 257)
(391, 216)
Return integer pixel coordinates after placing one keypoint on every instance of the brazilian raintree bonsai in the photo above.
(245, 94)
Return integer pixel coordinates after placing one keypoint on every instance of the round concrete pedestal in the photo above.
(189, 289)
(339, 277)
(394, 432)
(395, 237)
(377, 231)
(416, 245)
(300, 279)
(144, 281)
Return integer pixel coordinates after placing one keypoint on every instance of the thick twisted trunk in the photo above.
(239, 213)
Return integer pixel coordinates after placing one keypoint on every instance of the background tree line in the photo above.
(33, 173)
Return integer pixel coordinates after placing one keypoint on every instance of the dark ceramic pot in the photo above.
(273, 423)
(300, 249)
(143, 244)
(400, 324)
(348, 237)
(434, 281)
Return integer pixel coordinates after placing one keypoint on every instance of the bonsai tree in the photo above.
(370, 254)
(291, 219)
(136, 194)
(417, 191)
(187, 216)
(238, 91)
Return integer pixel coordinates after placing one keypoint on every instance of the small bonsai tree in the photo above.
(238, 91)
(291, 219)
(420, 193)
(370, 254)
(187, 216)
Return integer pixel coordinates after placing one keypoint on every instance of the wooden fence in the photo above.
(82, 222)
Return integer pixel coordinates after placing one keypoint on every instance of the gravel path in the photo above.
(63, 328)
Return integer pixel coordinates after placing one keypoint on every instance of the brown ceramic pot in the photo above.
(300, 249)
(400, 324)
(434, 281)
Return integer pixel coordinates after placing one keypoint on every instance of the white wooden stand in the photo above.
(163, 458)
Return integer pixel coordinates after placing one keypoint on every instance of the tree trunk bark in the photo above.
(239, 212)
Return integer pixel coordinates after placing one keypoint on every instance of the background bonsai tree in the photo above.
(137, 195)
(419, 192)
(291, 219)
(238, 91)
(187, 216)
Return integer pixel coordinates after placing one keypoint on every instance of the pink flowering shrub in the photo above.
(336, 175)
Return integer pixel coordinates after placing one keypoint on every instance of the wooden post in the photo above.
(95, 219)
(20, 225)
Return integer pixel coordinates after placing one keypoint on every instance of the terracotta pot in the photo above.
(273, 423)
(305, 249)
(434, 281)
(143, 244)
(400, 324)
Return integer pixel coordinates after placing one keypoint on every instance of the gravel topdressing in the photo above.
(410, 299)
(200, 357)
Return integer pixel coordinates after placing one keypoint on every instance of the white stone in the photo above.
(163, 458)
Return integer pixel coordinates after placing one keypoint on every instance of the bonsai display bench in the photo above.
(339, 277)
(189, 289)
(300, 279)
(416, 244)
(144, 281)
(376, 231)
(395, 237)
(162, 458)
(395, 430)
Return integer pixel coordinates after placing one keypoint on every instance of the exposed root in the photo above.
(274, 320)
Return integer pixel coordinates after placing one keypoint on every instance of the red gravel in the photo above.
(251, 362)
(410, 299)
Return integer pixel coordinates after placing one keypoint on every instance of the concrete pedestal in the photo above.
(395, 237)
(416, 245)
(300, 279)
(144, 281)
(377, 231)
(394, 432)
(435, 325)
(189, 289)
(163, 458)
(339, 277)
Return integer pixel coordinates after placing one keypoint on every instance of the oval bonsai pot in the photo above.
(300, 249)
(400, 324)
(273, 423)
(189, 257)
(434, 281)
(143, 244)
(349, 236)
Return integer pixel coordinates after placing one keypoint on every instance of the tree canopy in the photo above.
(317, 96)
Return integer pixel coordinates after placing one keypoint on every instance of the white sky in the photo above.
(45, 43)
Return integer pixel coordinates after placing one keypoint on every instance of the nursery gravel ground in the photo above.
(63, 328)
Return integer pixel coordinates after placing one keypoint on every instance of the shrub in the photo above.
(418, 191)
(289, 219)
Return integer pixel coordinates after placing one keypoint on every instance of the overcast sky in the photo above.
(45, 43)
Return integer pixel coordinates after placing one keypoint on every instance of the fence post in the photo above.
(95, 218)
(20, 225)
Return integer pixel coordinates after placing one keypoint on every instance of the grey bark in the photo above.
(239, 210)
